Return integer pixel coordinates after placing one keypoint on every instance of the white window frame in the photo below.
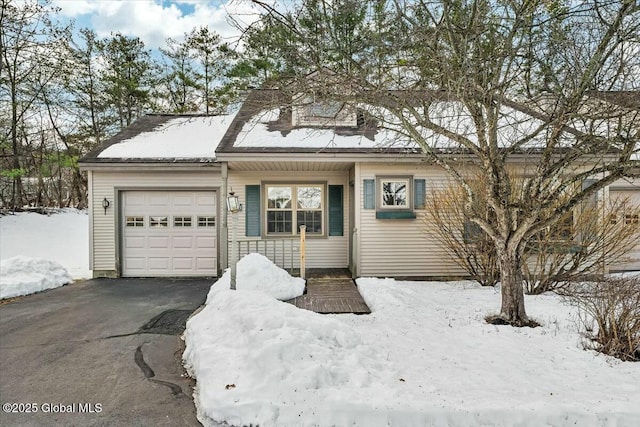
(158, 221)
(294, 208)
(182, 221)
(205, 221)
(407, 180)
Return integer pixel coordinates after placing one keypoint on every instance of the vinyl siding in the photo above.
(401, 247)
(321, 252)
(106, 184)
(631, 191)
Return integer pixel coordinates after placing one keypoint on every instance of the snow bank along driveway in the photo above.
(40, 252)
(423, 357)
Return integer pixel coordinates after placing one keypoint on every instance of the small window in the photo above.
(135, 221)
(206, 221)
(182, 221)
(158, 221)
(631, 219)
(394, 193)
(324, 109)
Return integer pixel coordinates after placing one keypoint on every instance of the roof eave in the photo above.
(147, 164)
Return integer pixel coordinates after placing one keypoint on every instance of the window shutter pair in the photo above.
(419, 193)
(252, 210)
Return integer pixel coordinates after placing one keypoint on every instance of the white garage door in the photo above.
(169, 233)
(628, 219)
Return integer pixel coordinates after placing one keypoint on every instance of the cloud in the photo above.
(154, 20)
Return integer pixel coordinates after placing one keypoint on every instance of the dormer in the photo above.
(312, 110)
(316, 108)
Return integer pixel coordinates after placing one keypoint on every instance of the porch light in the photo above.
(233, 203)
(105, 205)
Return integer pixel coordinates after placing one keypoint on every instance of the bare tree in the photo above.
(473, 82)
(28, 39)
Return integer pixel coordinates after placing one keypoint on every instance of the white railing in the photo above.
(286, 252)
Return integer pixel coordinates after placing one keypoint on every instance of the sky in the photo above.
(156, 20)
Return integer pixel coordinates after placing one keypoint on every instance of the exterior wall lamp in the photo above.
(105, 205)
(233, 203)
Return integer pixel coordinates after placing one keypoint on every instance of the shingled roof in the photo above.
(162, 138)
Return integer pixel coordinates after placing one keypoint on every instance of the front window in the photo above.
(289, 205)
(394, 193)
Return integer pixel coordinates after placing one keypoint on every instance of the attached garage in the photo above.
(168, 233)
(154, 196)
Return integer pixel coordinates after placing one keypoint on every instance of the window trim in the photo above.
(380, 180)
(182, 221)
(294, 203)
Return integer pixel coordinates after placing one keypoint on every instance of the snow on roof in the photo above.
(194, 137)
(256, 133)
(513, 125)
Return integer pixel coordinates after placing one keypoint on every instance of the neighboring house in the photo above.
(157, 193)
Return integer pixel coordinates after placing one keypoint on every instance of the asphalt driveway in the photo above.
(98, 352)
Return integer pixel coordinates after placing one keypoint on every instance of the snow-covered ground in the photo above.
(42, 243)
(423, 357)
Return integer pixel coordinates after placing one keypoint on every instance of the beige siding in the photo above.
(400, 247)
(627, 190)
(106, 184)
(322, 252)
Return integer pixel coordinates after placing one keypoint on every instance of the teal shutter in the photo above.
(369, 189)
(336, 210)
(252, 210)
(419, 193)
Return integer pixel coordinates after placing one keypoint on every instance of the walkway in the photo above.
(331, 292)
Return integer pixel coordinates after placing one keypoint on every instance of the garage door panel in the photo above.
(208, 201)
(182, 242)
(183, 200)
(205, 263)
(134, 199)
(159, 263)
(203, 242)
(135, 242)
(183, 263)
(168, 242)
(158, 200)
(138, 264)
(160, 242)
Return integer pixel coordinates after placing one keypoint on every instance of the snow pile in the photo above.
(22, 275)
(424, 356)
(256, 272)
(259, 361)
(62, 237)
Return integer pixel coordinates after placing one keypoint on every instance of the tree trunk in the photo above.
(512, 310)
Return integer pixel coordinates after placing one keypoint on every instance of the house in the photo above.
(157, 193)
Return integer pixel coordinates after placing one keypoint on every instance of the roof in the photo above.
(625, 98)
(264, 125)
(164, 138)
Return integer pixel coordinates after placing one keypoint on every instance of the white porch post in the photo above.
(303, 256)
(224, 229)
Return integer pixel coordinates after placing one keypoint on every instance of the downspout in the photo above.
(224, 229)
